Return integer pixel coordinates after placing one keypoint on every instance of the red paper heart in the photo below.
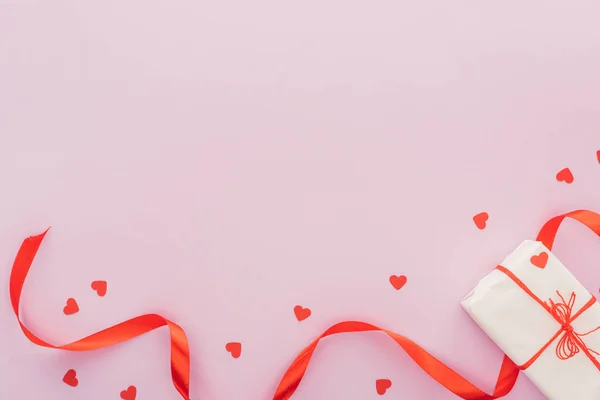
(70, 378)
(301, 313)
(598, 155)
(71, 307)
(398, 281)
(481, 220)
(129, 394)
(565, 175)
(540, 260)
(235, 348)
(382, 385)
(99, 287)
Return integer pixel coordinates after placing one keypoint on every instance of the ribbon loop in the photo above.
(570, 344)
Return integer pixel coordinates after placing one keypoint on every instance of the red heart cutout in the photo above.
(481, 220)
(71, 307)
(235, 348)
(70, 378)
(540, 260)
(598, 155)
(565, 175)
(129, 394)
(382, 385)
(398, 281)
(301, 313)
(99, 287)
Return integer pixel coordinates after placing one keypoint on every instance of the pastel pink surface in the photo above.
(221, 163)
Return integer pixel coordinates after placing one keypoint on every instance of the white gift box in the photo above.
(553, 337)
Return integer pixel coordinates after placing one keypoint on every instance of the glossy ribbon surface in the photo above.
(180, 353)
(548, 232)
(447, 377)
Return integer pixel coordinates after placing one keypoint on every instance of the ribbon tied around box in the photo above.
(570, 342)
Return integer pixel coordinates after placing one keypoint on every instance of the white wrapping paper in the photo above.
(521, 327)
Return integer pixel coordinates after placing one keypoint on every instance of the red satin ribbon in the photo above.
(447, 377)
(548, 232)
(180, 354)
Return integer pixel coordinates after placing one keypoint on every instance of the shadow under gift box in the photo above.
(568, 368)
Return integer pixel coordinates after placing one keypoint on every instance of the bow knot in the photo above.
(570, 343)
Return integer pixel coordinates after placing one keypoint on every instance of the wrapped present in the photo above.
(537, 312)
(531, 306)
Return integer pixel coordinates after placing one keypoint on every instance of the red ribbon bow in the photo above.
(570, 343)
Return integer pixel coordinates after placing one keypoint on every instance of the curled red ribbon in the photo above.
(447, 377)
(180, 355)
(548, 232)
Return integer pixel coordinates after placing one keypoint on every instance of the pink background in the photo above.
(221, 162)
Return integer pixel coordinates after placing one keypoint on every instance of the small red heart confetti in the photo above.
(301, 313)
(540, 260)
(70, 378)
(99, 287)
(235, 348)
(382, 385)
(71, 307)
(129, 394)
(481, 220)
(398, 281)
(565, 175)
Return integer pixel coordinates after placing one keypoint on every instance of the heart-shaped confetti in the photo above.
(382, 385)
(481, 220)
(398, 281)
(129, 394)
(70, 378)
(71, 307)
(565, 175)
(540, 260)
(100, 287)
(301, 313)
(235, 348)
